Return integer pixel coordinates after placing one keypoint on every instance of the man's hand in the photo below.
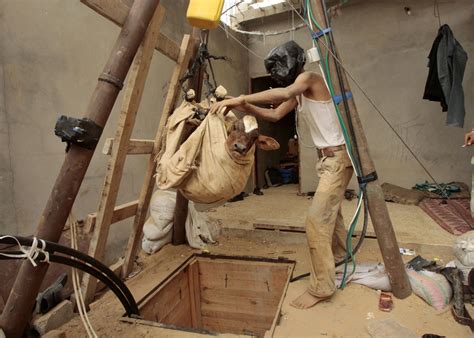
(469, 138)
(228, 104)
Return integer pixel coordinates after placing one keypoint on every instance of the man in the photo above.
(325, 229)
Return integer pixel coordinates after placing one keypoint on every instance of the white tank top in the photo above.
(321, 119)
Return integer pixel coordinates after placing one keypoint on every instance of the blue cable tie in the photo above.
(317, 35)
(338, 98)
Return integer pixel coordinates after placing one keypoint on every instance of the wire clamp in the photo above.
(317, 35)
(339, 98)
(367, 179)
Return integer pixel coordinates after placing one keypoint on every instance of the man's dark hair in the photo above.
(285, 62)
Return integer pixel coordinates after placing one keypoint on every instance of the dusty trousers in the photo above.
(325, 230)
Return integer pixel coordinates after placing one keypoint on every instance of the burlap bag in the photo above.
(202, 168)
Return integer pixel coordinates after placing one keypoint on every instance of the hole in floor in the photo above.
(220, 294)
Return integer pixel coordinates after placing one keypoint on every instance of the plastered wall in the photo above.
(52, 52)
(386, 51)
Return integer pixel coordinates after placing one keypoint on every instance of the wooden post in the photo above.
(378, 209)
(20, 303)
(181, 210)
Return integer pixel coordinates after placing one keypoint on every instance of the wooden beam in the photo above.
(117, 11)
(135, 147)
(181, 209)
(149, 182)
(121, 212)
(131, 101)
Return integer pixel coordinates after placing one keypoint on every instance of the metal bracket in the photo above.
(82, 132)
(367, 179)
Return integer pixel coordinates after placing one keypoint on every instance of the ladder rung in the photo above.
(135, 147)
(121, 212)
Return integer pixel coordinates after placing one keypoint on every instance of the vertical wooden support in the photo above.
(22, 297)
(181, 210)
(148, 184)
(378, 209)
(132, 97)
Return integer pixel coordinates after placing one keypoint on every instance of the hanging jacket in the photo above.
(433, 90)
(448, 63)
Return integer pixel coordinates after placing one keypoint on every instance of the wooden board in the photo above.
(135, 147)
(131, 101)
(280, 226)
(117, 12)
(120, 213)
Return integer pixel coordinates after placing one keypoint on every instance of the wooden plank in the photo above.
(237, 315)
(135, 147)
(195, 295)
(248, 294)
(131, 101)
(234, 326)
(121, 212)
(148, 184)
(279, 226)
(283, 295)
(166, 299)
(117, 11)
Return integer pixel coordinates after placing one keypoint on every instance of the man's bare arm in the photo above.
(269, 114)
(271, 96)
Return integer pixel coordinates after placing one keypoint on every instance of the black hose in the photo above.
(52, 247)
(357, 247)
(131, 309)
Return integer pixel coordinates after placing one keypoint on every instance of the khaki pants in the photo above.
(325, 229)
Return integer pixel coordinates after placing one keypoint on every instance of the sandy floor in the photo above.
(347, 314)
(283, 205)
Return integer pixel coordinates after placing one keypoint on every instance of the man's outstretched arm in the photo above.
(269, 114)
(271, 96)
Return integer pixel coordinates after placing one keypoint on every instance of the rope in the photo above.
(31, 254)
(81, 306)
(371, 102)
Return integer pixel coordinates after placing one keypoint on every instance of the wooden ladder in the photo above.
(121, 145)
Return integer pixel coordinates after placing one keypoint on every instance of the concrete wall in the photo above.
(52, 53)
(386, 51)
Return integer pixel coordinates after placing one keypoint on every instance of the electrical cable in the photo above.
(131, 309)
(81, 306)
(373, 104)
(356, 165)
(52, 248)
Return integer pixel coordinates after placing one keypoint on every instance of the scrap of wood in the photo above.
(131, 101)
(117, 11)
(121, 212)
(300, 229)
(135, 146)
(148, 184)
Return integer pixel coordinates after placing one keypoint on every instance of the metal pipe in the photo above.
(18, 307)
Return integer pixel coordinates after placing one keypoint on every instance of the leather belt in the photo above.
(329, 151)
